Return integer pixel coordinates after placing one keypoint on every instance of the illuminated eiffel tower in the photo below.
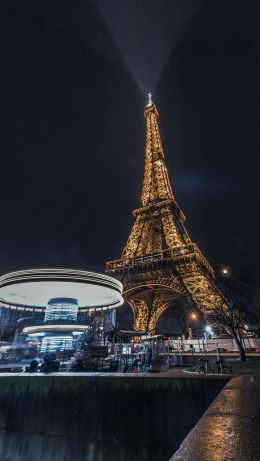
(160, 264)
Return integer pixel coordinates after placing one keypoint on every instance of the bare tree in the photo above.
(230, 316)
(256, 314)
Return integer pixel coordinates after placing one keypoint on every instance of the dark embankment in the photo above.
(85, 418)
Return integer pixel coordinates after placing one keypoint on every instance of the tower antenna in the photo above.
(150, 102)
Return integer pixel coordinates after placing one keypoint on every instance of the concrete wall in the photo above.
(86, 418)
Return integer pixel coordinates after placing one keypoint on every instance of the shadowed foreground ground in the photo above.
(82, 417)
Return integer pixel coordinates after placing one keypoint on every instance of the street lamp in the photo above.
(192, 316)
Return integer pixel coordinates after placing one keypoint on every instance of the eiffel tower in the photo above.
(160, 264)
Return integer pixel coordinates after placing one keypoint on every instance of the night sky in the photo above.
(73, 75)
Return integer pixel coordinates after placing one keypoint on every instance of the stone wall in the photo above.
(78, 418)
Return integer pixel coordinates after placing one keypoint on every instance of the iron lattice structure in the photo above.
(160, 263)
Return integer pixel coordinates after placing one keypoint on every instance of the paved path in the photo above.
(230, 429)
(172, 373)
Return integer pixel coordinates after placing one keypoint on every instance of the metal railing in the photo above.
(175, 255)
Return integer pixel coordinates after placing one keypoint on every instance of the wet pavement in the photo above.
(230, 429)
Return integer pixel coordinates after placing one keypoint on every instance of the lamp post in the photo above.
(192, 318)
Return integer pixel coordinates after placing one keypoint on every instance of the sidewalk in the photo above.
(230, 429)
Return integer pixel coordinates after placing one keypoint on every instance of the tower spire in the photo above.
(156, 183)
(150, 102)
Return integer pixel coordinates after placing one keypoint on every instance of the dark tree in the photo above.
(229, 320)
(230, 317)
(83, 360)
(256, 312)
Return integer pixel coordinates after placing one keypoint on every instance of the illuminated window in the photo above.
(57, 343)
(61, 308)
